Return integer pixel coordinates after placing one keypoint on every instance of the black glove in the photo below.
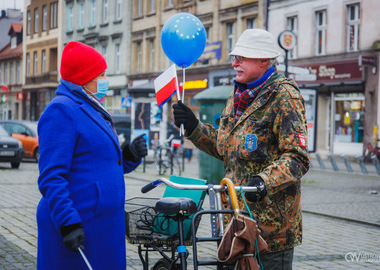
(256, 181)
(73, 236)
(136, 149)
(184, 115)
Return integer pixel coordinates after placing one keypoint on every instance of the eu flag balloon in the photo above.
(183, 39)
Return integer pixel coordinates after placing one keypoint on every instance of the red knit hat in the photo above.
(81, 63)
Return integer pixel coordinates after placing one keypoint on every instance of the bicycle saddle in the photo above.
(173, 205)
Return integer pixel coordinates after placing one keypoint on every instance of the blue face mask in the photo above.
(102, 87)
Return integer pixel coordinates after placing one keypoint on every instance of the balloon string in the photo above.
(182, 129)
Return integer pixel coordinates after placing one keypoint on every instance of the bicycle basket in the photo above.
(139, 216)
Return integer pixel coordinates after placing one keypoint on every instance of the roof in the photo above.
(17, 28)
(8, 53)
(5, 24)
(220, 92)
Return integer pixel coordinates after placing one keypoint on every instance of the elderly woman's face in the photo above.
(249, 69)
(92, 85)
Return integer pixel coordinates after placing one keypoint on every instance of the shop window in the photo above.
(349, 118)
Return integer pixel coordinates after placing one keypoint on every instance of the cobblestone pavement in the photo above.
(328, 243)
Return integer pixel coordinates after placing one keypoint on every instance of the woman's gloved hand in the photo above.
(73, 236)
(256, 181)
(184, 115)
(136, 150)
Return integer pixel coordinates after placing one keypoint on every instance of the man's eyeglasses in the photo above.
(238, 58)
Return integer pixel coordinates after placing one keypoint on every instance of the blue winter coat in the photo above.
(81, 180)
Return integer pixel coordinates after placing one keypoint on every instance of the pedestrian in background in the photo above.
(82, 170)
(261, 140)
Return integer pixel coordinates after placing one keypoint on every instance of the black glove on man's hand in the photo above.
(73, 236)
(256, 181)
(136, 149)
(184, 115)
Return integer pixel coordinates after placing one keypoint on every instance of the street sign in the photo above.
(287, 40)
(126, 101)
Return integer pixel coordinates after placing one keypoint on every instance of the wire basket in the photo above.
(140, 213)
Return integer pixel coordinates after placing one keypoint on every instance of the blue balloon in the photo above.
(183, 39)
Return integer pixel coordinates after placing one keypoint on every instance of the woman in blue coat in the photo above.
(82, 170)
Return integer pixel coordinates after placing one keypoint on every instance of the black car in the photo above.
(11, 149)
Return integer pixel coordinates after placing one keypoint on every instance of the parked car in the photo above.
(26, 132)
(11, 149)
(122, 123)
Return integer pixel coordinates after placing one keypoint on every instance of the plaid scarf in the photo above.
(246, 93)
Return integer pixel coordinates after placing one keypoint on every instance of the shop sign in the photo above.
(212, 51)
(336, 72)
(198, 84)
(367, 61)
(20, 96)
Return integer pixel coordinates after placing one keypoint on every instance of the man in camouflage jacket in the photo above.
(266, 143)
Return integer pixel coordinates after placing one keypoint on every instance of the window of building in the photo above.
(151, 54)
(27, 64)
(17, 72)
(104, 52)
(138, 8)
(13, 42)
(1, 74)
(251, 23)
(152, 6)
(118, 10)
(29, 19)
(169, 3)
(43, 68)
(53, 15)
(117, 58)
(6, 73)
(69, 18)
(353, 23)
(138, 56)
(11, 72)
(44, 18)
(292, 25)
(105, 11)
(230, 38)
(92, 13)
(320, 27)
(35, 59)
(80, 15)
(349, 117)
(36, 20)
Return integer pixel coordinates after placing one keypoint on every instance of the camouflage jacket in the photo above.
(269, 140)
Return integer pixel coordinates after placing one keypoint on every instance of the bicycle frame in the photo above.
(216, 213)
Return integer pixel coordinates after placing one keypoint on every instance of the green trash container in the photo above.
(211, 104)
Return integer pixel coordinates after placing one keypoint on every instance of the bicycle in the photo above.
(179, 209)
(371, 152)
(166, 158)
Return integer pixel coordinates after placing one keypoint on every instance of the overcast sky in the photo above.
(18, 4)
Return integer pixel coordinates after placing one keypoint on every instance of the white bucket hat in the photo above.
(255, 43)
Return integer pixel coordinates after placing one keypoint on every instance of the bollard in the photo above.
(347, 163)
(376, 162)
(320, 161)
(362, 164)
(333, 162)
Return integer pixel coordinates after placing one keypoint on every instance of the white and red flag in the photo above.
(4, 87)
(166, 85)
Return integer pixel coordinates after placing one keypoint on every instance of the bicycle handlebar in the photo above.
(167, 182)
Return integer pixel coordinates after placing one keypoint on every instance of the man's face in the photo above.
(249, 69)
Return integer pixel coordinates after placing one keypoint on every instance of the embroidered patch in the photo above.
(302, 140)
(251, 142)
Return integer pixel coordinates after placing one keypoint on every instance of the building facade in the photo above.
(10, 64)
(106, 26)
(338, 43)
(41, 48)
(224, 21)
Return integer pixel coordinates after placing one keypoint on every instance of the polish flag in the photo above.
(166, 85)
(4, 87)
